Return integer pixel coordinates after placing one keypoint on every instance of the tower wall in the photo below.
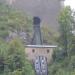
(33, 52)
(37, 39)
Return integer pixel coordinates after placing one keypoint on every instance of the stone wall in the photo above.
(32, 53)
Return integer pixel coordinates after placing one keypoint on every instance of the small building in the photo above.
(37, 49)
(34, 51)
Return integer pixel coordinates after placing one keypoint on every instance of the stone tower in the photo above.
(37, 39)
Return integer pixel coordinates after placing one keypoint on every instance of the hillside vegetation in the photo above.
(12, 53)
(64, 56)
(13, 20)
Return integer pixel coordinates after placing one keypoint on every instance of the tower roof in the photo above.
(41, 46)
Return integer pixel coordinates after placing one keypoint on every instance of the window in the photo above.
(47, 50)
(33, 50)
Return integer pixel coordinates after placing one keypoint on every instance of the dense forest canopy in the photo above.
(11, 20)
(12, 53)
(64, 56)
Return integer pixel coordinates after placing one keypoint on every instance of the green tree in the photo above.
(11, 20)
(13, 59)
(64, 56)
(66, 22)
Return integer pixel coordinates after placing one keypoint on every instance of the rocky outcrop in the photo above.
(47, 10)
(23, 36)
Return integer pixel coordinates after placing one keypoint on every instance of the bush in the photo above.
(13, 60)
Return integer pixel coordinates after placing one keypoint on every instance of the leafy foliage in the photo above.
(13, 60)
(48, 35)
(66, 22)
(11, 20)
(12, 54)
(64, 56)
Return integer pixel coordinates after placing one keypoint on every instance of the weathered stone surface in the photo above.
(47, 10)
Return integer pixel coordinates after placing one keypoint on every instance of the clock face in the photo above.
(36, 20)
